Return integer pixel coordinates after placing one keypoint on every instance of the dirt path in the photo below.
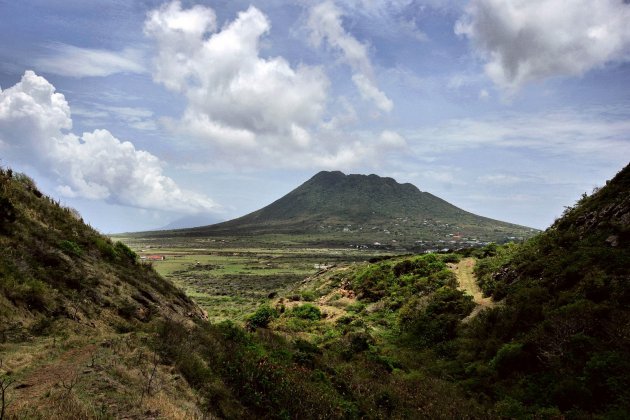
(65, 368)
(467, 282)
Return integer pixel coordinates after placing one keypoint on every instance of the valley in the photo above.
(230, 282)
(179, 325)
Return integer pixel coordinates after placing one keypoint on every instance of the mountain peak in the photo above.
(364, 209)
(333, 177)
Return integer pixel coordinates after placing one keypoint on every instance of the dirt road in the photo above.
(467, 282)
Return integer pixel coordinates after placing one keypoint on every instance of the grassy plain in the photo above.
(230, 279)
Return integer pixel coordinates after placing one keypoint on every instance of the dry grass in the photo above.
(98, 377)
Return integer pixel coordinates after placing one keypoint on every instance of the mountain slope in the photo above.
(76, 317)
(55, 266)
(363, 208)
(561, 340)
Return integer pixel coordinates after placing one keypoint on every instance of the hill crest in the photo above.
(335, 208)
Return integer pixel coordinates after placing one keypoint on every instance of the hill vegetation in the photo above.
(333, 209)
(562, 337)
(55, 267)
(392, 337)
(76, 309)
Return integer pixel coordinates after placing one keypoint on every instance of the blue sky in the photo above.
(140, 113)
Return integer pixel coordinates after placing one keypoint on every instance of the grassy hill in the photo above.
(76, 315)
(554, 342)
(336, 209)
(55, 267)
(88, 331)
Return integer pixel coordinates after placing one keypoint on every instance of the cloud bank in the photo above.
(253, 110)
(529, 40)
(34, 125)
(234, 95)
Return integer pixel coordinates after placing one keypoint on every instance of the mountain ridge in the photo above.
(333, 203)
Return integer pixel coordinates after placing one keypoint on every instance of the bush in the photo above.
(307, 311)
(35, 293)
(262, 317)
(106, 248)
(451, 258)
(508, 358)
(123, 249)
(7, 214)
(435, 319)
(308, 296)
(71, 248)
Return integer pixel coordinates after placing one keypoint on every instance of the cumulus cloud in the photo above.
(34, 129)
(72, 61)
(325, 24)
(529, 40)
(235, 97)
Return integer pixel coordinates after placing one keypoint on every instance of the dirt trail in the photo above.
(66, 367)
(467, 282)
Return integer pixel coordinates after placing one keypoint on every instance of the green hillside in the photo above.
(561, 338)
(333, 208)
(88, 331)
(55, 267)
(76, 317)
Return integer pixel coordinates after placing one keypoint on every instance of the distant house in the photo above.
(154, 257)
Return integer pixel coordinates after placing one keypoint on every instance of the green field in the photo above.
(230, 282)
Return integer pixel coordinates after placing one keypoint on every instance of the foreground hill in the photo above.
(76, 311)
(54, 267)
(396, 337)
(363, 209)
(87, 331)
(562, 338)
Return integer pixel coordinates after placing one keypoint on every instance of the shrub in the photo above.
(35, 293)
(307, 311)
(105, 247)
(71, 248)
(262, 317)
(7, 214)
(435, 319)
(124, 250)
(508, 358)
(308, 296)
(373, 282)
(450, 258)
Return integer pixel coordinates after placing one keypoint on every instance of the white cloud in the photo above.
(250, 111)
(370, 92)
(325, 24)
(138, 118)
(34, 125)
(68, 60)
(392, 138)
(529, 40)
(236, 98)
